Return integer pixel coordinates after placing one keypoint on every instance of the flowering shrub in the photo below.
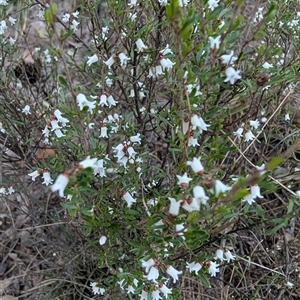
(156, 132)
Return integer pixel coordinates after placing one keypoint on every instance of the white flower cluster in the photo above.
(56, 125)
(164, 64)
(125, 152)
(3, 25)
(71, 19)
(248, 134)
(7, 191)
(46, 176)
(97, 290)
(192, 127)
(62, 180)
(212, 4)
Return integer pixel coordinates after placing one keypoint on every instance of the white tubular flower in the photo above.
(65, 18)
(219, 254)
(99, 168)
(228, 59)
(195, 86)
(60, 184)
(196, 267)
(266, 65)
(60, 118)
(173, 273)
(255, 124)
(123, 59)
(87, 163)
(131, 153)
(239, 132)
(12, 20)
(255, 191)
(196, 166)
(198, 122)
(140, 45)
(34, 174)
(174, 207)
(3, 191)
(248, 198)
(3, 27)
(166, 63)
(135, 139)
(103, 100)
(261, 169)
(214, 42)
(26, 110)
(185, 126)
(81, 101)
(229, 255)
(249, 136)
(148, 264)
(193, 142)
(10, 190)
(180, 229)
(220, 187)
(287, 117)
(92, 59)
(213, 268)
(155, 295)
(212, 4)
(183, 181)
(129, 199)
(232, 75)
(12, 41)
(199, 194)
(166, 50)
(111, 101)
(191, 204)
(103, 132)
(58, 133)
(153, 274)
(54, 125)
(164, 289)
(130, 289)
(47, 178)
(144, 295)
(132, 17)
(74, 25)
(110, 62)
(104, 32)
(132, 3)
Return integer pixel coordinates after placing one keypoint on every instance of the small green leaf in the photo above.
(290, 205)
(172, 9)
(275, 161)
(63, 81)
(49, 17)
(54, 8)
(270, 15)
(204, 279)
(282, 224)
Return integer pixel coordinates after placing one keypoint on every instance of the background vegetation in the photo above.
(173, 125)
